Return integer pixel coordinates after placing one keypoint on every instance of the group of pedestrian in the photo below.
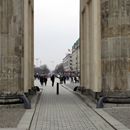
(43, 79)
(74, 79)
(63, 79)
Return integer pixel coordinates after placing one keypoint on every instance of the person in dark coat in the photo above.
(45, 80)
(76, 80)
(64, 79)
(71, 78)
(53, 79)
(61, 79)
(41, 79)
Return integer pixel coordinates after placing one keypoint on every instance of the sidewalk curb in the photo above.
(104, 115)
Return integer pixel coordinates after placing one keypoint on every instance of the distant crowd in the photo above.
(43, 78)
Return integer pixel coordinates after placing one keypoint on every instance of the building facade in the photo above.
(67, 63)
(16, 46)
(76, 57)
(105, 46)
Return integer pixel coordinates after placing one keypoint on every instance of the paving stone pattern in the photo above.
(120, 112)
(65, 112)
(10, 117)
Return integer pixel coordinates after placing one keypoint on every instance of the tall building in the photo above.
(76, 57)
(67, 63)
(16, 46)
(105, 46)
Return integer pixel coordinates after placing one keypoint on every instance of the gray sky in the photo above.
(56, 29)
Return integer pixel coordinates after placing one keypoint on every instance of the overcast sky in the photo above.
(56, 29)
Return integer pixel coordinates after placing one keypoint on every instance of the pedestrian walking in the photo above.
(45, 80)
(41, 79)
(71, 78)
(61, 79)
(53, 79)
(64, 79)
(75, 78)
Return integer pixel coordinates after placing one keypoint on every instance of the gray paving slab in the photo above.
(65, 112)
(25, 122)
(121, 113)
(115, 123)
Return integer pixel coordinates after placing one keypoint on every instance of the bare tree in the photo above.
(45, 69)
(59, 68)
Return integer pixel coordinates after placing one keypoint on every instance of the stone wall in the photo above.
(115, 25)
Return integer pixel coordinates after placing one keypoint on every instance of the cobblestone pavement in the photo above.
(10, 116)
(65, 112)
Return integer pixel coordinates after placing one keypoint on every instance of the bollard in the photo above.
(57, 92)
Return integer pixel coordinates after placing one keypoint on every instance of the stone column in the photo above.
(16, 46)
(115, 17)
(26, 46)
(96, 39)
(11, 46)
(28, 43)
(81, 46)
(32, 42)
(90, 45)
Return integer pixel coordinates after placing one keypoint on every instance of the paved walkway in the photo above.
(65, 112)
